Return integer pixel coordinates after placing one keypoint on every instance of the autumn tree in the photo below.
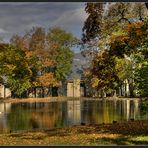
(49, 55)
(125, 45)
(115, 35)
(91, 26)
(60, 45)
(14, 70)
(33, 43)
(141, 72)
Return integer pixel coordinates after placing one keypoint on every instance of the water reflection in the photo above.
(107, 111)
(74, 112)
(24, 116)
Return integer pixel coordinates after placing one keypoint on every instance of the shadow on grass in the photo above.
(110, 141)
(118, 141)
(34, 135)
(139, 142)
(126, 133)
(129, 128)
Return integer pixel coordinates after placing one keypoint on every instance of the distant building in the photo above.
(4, 92)
(75, 82)
(76, 88)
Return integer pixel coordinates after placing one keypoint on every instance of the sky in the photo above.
(18, 17)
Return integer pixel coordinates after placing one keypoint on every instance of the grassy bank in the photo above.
(51, 99)
(130, 133)
(47, 99)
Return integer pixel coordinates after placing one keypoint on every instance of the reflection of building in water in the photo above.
(92, 112)
(127, 109)
(60, 114)
(4, 109)
(132, 109)
(74, 111)
(136, 109)
(107, 111)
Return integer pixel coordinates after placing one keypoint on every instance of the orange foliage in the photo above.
(135, 25)
(21, 43)
(138, 28)
(47, 62)
(132, 37)
(47, 79)
(55, 46)
(117, 41)
(29, 54)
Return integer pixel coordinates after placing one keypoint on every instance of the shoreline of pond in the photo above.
(128, 133)
(56, 99)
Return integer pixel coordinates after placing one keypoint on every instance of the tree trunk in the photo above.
(120, 91)
(131, 88)
(43, 92)
(126, 88)
(35, 92)
(114, 93)
(24, 94)
(146, 4)
(4, 92)
(103, 94)
(54, 91)
(50, 91)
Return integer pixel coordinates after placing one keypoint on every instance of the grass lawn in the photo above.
(130, 133)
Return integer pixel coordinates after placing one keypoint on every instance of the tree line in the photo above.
(115, 38)
(37, 59)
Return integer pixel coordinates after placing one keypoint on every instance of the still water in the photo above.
(40, 115)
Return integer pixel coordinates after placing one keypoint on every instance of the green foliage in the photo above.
(141, 74)
(64, 61)
(122, 33)
(36, 59)
(104, 70)
(92, 24)
(14, 69)
(58, 36)
(60, 43)
(144, 106)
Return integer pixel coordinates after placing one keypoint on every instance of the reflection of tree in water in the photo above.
(25, 116)
(34, 123)
(18, 118)
(49, 115)
(57, 114)
(107, 111)
(144, 108)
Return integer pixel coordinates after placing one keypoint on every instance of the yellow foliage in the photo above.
(47, 62)
(47, 79)
(10, 66)
(94, 82)
(29, 54)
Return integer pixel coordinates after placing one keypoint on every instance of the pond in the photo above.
(47, 115)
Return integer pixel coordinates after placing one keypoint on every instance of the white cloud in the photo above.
(70, 18)
(3, 30)
(16, 18)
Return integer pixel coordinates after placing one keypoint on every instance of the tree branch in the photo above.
(146, 4)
